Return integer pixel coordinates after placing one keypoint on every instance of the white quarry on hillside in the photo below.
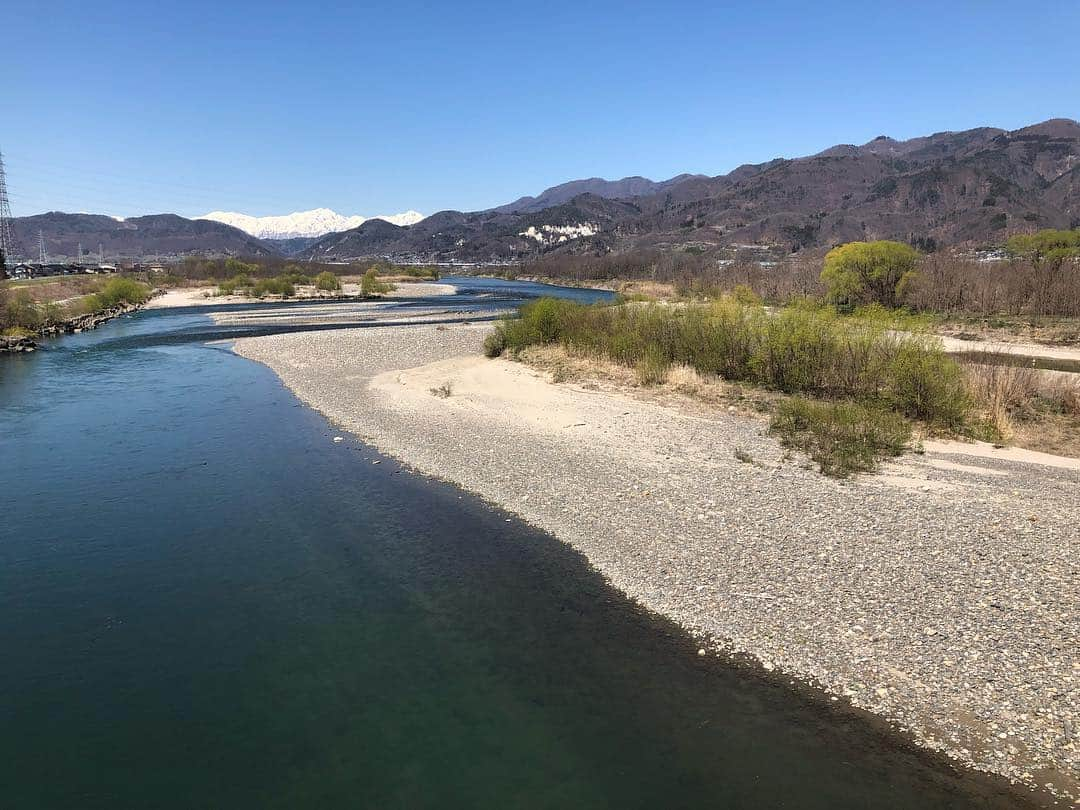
(316, 222)
(553, 234)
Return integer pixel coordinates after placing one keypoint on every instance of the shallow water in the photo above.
(205, 602)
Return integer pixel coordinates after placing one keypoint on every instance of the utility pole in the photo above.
(9, 247)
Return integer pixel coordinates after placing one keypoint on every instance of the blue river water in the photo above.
(206, 603)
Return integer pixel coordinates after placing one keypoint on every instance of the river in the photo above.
(206, 602)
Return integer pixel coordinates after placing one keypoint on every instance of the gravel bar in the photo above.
(941, 595)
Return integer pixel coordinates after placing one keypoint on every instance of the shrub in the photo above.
(419, 272)
(273, 286)
(370, 284)
(238, 283)
(539, 322)
(653, 366)
(495, 342)
(19, 311)
(327, 281)
(121, 291)
(923, 382)
(443, 391)
(842, 437)
(803, 349)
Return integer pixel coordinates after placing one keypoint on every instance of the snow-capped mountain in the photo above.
(317, 222)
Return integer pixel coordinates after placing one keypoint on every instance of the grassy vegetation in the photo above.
(237, 284)
(243, 284)
(842, 437)
(202, 270)
(26, 309)
(1015, 396)
(873, 379)
(803, 349)
(411, 271)
(120, 290)
(279, 285)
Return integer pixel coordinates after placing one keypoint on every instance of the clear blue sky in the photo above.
(130, 108)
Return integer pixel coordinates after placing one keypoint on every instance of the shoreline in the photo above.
(639, 519)
(68, 326)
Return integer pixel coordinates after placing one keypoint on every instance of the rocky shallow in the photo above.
(942, 595)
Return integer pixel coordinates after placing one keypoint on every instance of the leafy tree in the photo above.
(327, 281)
(1053, 256)
(237, 267)
(1045, 247)
(869, 272)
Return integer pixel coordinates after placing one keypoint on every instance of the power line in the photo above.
(9, 247)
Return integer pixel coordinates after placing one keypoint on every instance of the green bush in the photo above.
(327, 281)
(923, 382)
(803, 349)
(418, 272)
(273, 286)
(118, 291)
(19, 312)
(370, 284)
(238, 283)
(842, 437)
(495, 343)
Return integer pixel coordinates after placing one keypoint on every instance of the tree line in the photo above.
(1038, 276)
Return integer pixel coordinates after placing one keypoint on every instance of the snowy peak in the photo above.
(316, 222)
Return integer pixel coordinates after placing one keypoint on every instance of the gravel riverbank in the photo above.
(942, 594)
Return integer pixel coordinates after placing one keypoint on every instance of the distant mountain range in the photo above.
(154, 236)
(317, 222)
(608, 189)
(973, 187)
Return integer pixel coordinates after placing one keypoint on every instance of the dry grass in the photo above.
(61, 288)
(1001, 392)
(443, 391)
(683, 387)
(651, 290)
(1038, 410)
(1062, 331)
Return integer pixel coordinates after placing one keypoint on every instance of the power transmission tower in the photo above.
(78, 254)
(9, 247)
(43, 257)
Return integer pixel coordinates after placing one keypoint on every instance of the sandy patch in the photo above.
(953, 344)
(1008, 454)
(184, 297)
